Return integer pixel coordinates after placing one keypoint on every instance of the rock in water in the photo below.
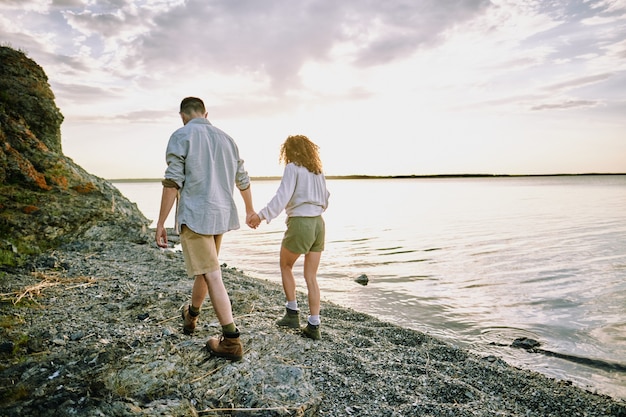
(362, 279)
(525, 343)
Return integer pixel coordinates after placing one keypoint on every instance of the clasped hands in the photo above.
(253, 220)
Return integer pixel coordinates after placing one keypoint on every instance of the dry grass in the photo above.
(46, 281)
(299, 411)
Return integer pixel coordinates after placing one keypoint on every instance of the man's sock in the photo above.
(292, 305)
(193, 311)
(229, 328)
(315, 320)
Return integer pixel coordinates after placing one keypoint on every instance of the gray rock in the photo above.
(362, 279)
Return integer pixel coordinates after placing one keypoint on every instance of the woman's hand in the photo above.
(253, 220)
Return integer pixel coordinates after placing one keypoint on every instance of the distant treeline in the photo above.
(375, 177)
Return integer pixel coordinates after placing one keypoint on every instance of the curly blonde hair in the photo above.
(301, 151)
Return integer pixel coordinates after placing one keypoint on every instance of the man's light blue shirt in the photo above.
(204, 162)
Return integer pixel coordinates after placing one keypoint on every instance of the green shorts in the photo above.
(305, 234)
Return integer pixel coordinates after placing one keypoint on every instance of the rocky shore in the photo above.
(93, 328)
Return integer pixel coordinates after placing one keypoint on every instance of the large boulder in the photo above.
(45, 198)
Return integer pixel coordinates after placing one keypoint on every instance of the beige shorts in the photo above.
(200, 251)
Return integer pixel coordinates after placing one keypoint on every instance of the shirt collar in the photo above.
(200, 120)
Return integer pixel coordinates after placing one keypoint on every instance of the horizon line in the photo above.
(367, 177)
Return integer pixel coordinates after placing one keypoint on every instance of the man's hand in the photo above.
(168, 198)
(253, 220)
(161, 236)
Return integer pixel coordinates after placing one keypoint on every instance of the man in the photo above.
(203, 167)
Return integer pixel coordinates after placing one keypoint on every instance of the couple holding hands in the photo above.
(203, 166)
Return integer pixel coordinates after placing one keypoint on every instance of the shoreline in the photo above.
(97, 330)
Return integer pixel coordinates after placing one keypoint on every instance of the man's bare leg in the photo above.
(199, 291)
(219, 297)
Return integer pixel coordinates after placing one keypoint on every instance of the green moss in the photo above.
(60, 175)
(19, 256)
(5, 97)
(27, 248)
(20, 342)
(8, 258)
(14, 393)
(8, 321)
(25, 197)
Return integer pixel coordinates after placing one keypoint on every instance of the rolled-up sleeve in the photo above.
(242, 179)
(170, 184)
(175, 157)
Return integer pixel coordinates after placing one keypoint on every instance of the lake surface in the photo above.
(478, 262)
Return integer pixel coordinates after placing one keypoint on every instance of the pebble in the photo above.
(77, 336)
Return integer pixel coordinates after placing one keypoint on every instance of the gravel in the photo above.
(94, 329)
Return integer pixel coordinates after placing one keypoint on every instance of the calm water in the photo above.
(474, 261)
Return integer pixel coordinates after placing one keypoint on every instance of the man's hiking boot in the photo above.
(290, 319)
(312, 331)
(189, 321)
(227, 346)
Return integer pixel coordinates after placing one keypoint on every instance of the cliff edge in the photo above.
(45, 198)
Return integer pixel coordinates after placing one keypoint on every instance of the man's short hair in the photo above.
(192, 104)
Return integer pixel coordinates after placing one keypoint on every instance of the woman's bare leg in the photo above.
(287, 260)
(311, 264)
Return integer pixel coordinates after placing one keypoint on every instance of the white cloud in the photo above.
(456, 73)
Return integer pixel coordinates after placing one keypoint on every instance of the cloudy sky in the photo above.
(384, 87)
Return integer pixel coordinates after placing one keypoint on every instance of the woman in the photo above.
(303, 195)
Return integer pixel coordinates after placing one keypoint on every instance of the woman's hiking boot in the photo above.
(189, 321)
(227, 346)
(290, 319)
(312, 331)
